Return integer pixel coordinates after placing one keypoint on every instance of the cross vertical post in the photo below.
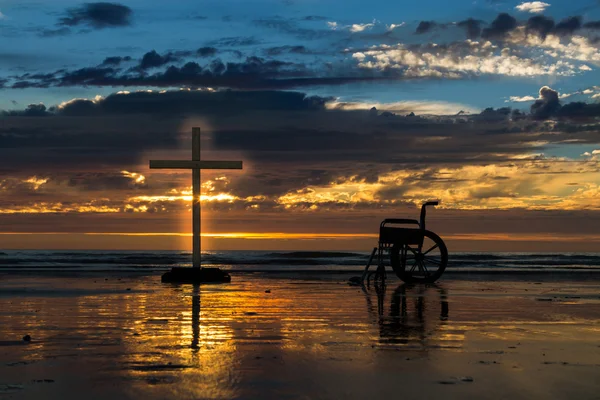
(196, 248)
(197, 274)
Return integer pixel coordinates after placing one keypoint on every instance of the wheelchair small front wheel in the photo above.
(420, 264)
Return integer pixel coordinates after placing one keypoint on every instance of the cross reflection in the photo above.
(195, 317)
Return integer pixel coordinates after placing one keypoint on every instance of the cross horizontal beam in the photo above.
(190, 164)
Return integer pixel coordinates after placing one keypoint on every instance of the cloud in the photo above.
(32, 110)
(404, 107)
(580, 110)
(517, 99)
(592, 25)
(547, 105)
(152, 60)
(55, 32)
(360, 27)
(314, 18)
(532, 6)
(301, 155)
(98, 15)
(391, 27)
(500, 26)
(574, 48)
(286, 49)
(567, 26)
(472, 27)
(114, 61)
(457, 60)
(206, 51)
(235, 41)
(253, 73)
(540, 25)
(425, 26)
(2, 16)
(189, 102)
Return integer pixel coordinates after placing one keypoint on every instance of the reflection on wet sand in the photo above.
(416, 316)
(261, 335)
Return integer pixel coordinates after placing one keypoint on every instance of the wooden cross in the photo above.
(195, 165)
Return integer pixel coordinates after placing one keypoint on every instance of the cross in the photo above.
(195, 165)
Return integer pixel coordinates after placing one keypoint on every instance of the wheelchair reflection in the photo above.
(415, 316)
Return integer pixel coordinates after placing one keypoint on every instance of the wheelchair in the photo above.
(416, 254)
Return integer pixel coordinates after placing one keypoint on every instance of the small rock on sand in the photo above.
(447, 382)
(467, 379)
(268, 291)
(27, 338)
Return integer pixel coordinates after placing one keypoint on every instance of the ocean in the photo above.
(282, 261)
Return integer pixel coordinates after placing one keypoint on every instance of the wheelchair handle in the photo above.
(424, 211)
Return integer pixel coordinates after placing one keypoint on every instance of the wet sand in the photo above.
(306, 338)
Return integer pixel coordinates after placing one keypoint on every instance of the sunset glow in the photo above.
(340, 122)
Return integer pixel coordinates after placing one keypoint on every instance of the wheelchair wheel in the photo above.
(420, 264)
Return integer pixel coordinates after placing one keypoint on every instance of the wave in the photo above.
(313, 254)
(282, 261)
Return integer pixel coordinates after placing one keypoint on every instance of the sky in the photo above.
(344, 113)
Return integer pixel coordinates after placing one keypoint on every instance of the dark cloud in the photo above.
(55, 32)
(114, 61)
(288, 141)
(315, 18)
(494, 114)
(580, 110)
(425, 26)
(547, 105)
(540, 25)
(189, 102)
(98, 15)
(152, 60)
(253, 73)
(567, 26)
(32, 110)
(235, 41)
(278, 50)
(592, 25)
(472, 27)
(96, 181)
(206, 51)
(84, 76)
(499, 27)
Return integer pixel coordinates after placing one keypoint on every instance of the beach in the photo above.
(124, 335)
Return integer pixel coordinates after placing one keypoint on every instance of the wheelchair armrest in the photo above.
(399, 221)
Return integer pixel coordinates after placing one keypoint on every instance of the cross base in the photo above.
(195, 275)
